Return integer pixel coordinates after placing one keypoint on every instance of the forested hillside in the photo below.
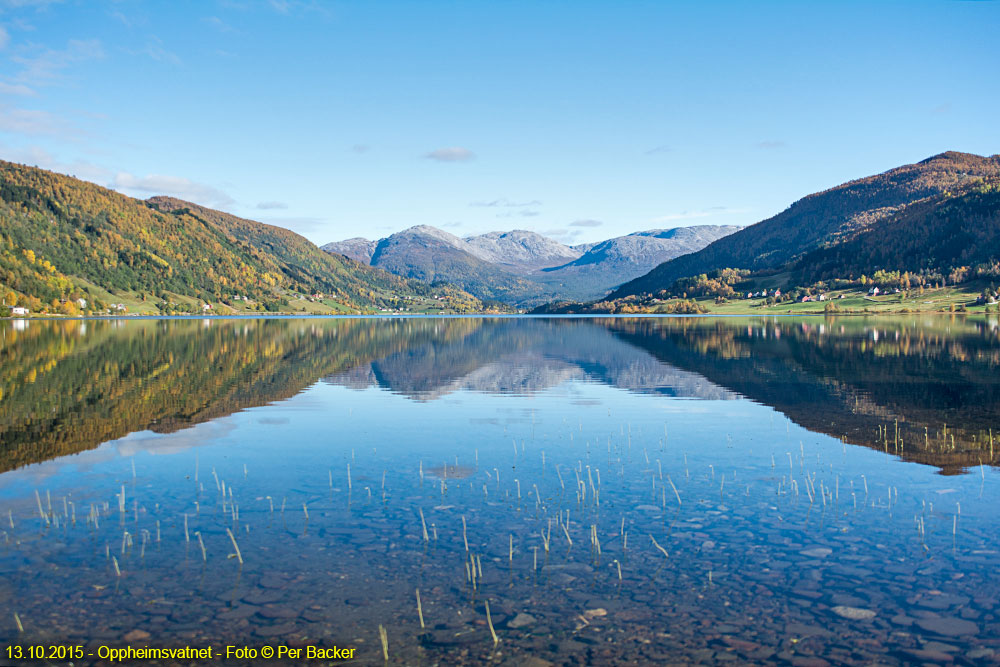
(948, 238)
(824, 218)
(60, 236)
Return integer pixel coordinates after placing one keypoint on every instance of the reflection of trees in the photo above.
(852, 378)
(66, 386)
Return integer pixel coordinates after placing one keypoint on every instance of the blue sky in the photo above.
(581, 120)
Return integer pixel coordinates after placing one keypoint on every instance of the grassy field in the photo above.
(853, 302)
(932, 300)
(135, 305)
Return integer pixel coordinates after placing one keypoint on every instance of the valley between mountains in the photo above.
(923, 236)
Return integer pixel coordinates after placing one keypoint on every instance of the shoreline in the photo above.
(321, 316)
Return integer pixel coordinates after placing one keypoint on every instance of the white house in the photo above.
(82, 303)
(19, 310)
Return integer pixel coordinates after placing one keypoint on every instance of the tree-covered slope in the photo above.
(56, 230)
(947, 235)
(823, 218)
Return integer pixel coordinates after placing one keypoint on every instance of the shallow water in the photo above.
(654, 490)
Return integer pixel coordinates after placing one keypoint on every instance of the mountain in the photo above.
(520, 250)
(431, 255)
(101, 245)
(522, 267)
(610, 263)
(358, 249)
(824, 218)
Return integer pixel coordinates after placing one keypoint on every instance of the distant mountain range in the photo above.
(522, 267)
(943, 211)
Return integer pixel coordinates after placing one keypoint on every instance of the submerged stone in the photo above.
(817, 552)
(948, 625)
(853, 613)
(521, 620)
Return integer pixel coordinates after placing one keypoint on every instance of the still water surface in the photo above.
(654, 490)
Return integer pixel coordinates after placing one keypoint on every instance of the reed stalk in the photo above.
(232, 538)
(384, 638)
(489, 622)
(423, 525)
(420, 611)
(675, 490)
(41, 512)
(657, 545)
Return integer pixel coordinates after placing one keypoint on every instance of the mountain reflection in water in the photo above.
(920, 387)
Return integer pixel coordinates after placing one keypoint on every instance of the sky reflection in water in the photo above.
(818, 467)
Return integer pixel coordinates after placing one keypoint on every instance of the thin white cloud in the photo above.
(31, 122)
(292, 7)
(503, 202)
(360, 148)
(16, 4)
(453, 154)
(4, 37)
(586, 223)
(48, 64)
(219, 24)
(121, 17)
(270, 205)
(154, 49)
(175, 186)
(562, 235)
(657, 149)
(16, 89)
(527, 213)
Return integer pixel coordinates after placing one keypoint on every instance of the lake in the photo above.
(535, 491)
